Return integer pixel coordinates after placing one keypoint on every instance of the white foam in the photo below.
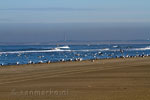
(63, 47)
(141, 49)
(106, 49)
(53, 50)
(34, 51)
(115, 46)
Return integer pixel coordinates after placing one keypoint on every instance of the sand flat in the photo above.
(110, 79)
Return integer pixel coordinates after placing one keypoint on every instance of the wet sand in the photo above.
(110, 79)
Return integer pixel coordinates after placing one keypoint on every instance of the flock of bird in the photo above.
(79, 58)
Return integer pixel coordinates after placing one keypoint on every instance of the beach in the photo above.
(107, 79)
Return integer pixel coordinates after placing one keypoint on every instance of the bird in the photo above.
(49, 62)
(80, 59)
(93, 60)
(2, 64)
(30, 62)
(17, 63)
(70, 60)
(40, 62)
(62, 60)
(19, 55)
(76, 59)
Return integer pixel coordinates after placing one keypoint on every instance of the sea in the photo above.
(25, 54)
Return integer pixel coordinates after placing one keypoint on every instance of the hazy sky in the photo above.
(48, 11)
(82, 19)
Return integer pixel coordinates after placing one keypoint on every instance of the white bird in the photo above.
(77, 54)
(40, 62)
(127, 56)
(49, 62)
(93, 60)
(19, 55)
(62, 60)
(17, 63)
(76, 59)
(80, 59)
(2, 64)
(70, 59)
(30, 62)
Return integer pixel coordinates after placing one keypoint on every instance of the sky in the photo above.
(106, 19)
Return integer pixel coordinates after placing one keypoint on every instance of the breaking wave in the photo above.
(53, 50)
(67, 49)
(141, 49)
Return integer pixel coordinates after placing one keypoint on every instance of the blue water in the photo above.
(9, 55)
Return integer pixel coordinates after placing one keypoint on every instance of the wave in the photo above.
(115, 46)
(87, 50)
(141, 49)
(66, 49)
(34, 51)
(132, 49)
(63, 47)
(53, 50)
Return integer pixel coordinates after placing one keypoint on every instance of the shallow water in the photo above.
(10, 55)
